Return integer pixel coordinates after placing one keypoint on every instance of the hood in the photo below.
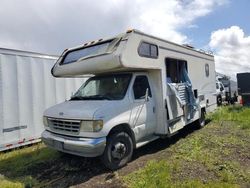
(84, 109)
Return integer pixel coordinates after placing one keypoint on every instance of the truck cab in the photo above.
(123, 101)
(220, 93)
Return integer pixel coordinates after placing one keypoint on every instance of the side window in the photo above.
(140, 86)
(153, 51)
(148, 50)
(207, 70)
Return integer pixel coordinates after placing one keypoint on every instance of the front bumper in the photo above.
(86, 147)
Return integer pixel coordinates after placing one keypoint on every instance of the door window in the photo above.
(140, 87)
(175, 70)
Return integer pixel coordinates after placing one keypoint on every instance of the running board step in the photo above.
(175, 125)
(146, 140)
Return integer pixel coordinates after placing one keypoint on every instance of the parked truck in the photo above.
(220, 92)
(26, 89)
(228, 87)
(142, 88)
(244, 87)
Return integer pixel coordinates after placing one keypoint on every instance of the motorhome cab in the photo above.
(141, 88)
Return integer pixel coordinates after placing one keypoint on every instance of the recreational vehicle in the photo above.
(26, 89)
(141, 88)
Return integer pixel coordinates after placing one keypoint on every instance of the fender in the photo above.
(124, 128)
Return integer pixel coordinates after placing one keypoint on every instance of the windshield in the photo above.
(225, 82)
(108, 87)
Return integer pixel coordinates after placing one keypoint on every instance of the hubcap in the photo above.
(219, 100)
(118, 150)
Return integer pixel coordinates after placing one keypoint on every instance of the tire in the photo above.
(201, 122)
(118, 151)
(232, 100)
(219, 100)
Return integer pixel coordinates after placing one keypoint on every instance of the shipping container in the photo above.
(27, 88)
(244, 87)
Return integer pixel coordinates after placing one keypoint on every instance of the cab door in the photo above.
(143, 116)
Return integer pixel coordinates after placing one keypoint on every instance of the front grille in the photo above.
(64, 125)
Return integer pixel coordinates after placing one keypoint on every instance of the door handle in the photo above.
(153, 109)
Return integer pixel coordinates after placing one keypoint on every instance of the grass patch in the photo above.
(215, 156)
(238, 114)
(18, 161)
(18, 165)
(10, 184)
(155, 174)
(160, 175)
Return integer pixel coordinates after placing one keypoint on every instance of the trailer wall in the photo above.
(27, 88)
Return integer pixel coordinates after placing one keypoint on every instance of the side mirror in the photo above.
(146, 95)
(221, 89)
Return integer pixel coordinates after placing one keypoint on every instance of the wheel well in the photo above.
(124, 128)
(219, 96)
(203, 109)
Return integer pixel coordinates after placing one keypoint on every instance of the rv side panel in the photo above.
(201, 71)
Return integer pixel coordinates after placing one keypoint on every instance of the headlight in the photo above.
(45, 121)
(91, 126)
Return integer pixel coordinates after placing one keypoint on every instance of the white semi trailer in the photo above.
(26, 89)
(142, 88)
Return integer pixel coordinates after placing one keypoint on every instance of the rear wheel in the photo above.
(201, 122)
(118, 151)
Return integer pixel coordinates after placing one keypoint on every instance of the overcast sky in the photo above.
(50, 26)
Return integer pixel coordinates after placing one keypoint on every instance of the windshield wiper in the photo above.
(100, 97)
(77, 98)
(92, 97)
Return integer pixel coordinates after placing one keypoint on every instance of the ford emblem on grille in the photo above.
(61, 113)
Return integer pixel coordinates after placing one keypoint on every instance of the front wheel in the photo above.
(118, 151)
(219, 100)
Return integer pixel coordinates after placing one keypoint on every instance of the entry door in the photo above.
(143, 111)
(176, 96)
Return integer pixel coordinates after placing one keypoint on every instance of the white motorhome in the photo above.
(142, 88)
(26, 89)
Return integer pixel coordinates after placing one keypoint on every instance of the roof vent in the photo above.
(188, 45)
